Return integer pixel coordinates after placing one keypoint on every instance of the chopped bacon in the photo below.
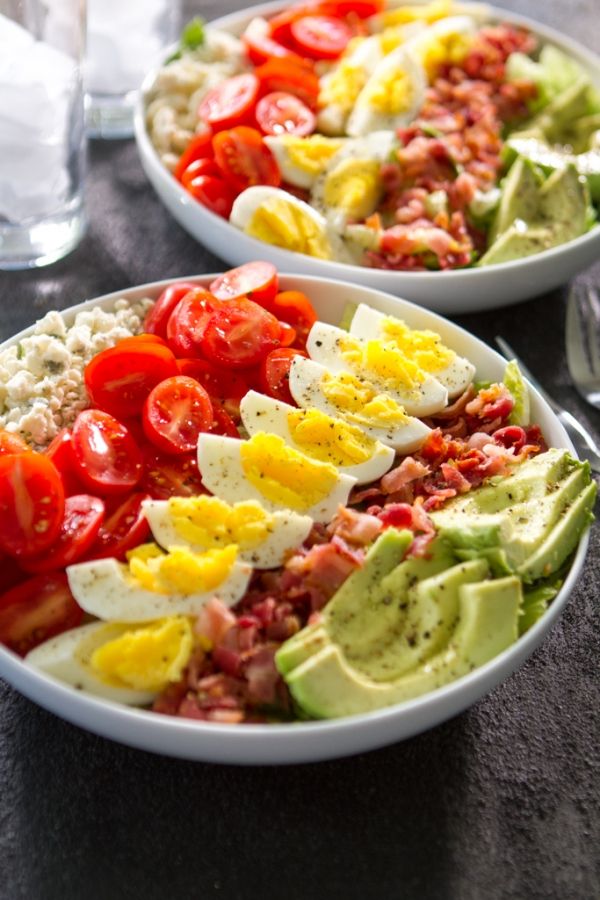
(324, 568)
(355, 527)
(493, 402)
(214, 620)
(454, 410)
(262, 676)
(409, 470)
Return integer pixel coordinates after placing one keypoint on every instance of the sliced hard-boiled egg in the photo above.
(323, 437)
(302, 159)
(351, 187)
(425, 348)
(263, 538)
(127, 663)
(263, 468)
(380, 363)
(155, 584)
(392, 96)
(445, 42)
(346, 396)
(340, 87)
(277, 217)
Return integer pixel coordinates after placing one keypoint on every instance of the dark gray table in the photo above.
(501, 802)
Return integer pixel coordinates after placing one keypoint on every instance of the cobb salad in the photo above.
(238, 513)
(395, 136)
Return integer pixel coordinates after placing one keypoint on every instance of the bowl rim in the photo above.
(236, 21)
(291, 742)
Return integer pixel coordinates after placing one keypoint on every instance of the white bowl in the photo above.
(458, 291)
(304, 742)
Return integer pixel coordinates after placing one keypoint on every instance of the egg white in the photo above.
(262, 413)
(364, 57)
(367, 323)
(282, 147)
(306, 378)
(67, 658)
(290, 530)
(220, 464)
(365, 117)
(323, 346)
(106, 589)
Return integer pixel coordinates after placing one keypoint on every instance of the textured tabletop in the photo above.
(501, 802)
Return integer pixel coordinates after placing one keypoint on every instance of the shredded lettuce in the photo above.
(514, 381)
(347, 316)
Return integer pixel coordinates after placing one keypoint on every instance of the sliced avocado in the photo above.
(517, 243)
(570, 104)
(299, 647)
(563, 200)
(519, 199)
(553, 158)
(328, 686)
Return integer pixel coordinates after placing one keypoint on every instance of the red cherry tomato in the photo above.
(230, 103)
(32, 503)
(260, 46)
(200, 167)
(171, 476)
(124, 528)
(213, 193)
(226, 387)
(188, 321)
(287, 334)
(281, 113)
(295, 308)
(36, 610)
(275, 373)
(118, 380)
(175, 413)
(107, 459)
(199, 147)
(79, 529)
(321, 37)
(363, 9)
(158, 315)
(245, 159)
(240, 333)
(11, 573)
(12, 443)
(284, 75)
(255, 280)
(60, 451)
(281, 24)
(222, 422)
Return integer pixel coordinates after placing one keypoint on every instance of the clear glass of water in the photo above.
(42, 135)
(125, 38)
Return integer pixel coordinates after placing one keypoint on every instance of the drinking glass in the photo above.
(42, 136)
(124, 40)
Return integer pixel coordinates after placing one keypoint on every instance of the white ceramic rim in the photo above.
(286, 259)
(298, 741)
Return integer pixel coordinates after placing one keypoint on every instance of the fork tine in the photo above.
(576, 356)
(583, 350)
(593, 329)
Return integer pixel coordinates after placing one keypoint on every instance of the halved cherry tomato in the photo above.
(295, 308)
(222, 422)
(107, 459)
(11, 573)
(171, 476)
(36, 610)
(275, 373)
(221, 385)
(12, 443)
(124, 528)
(230, 103)
(60, 451)
(281, 113)
(199, 147)
(240, 333)
(175, 413)
(321, 37)
(188, 321)
(245, 159)
(284, 75)
(287, 334)
(213, 193)
(255, 280)
(158, 316)
(80, 526)
(32, 503)
(363, 9)
(118, 380)
(281, 23)
(199, 167)
(260, 46)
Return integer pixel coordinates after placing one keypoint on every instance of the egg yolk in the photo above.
(428, 12)
(439, 50)
(148, 657)
(390, 38)
(424, 347)
(284, 475)
(393, 92)
(328, 439)
(342, 86)
(278, 222)
(211, 522)
(354, 185)
(180, 571)
(383, 361)
(310, 154)
(360, 402)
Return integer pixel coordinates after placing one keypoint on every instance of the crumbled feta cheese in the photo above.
(41, 378)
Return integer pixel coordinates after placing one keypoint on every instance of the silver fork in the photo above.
(583, 342)
(584, 443)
